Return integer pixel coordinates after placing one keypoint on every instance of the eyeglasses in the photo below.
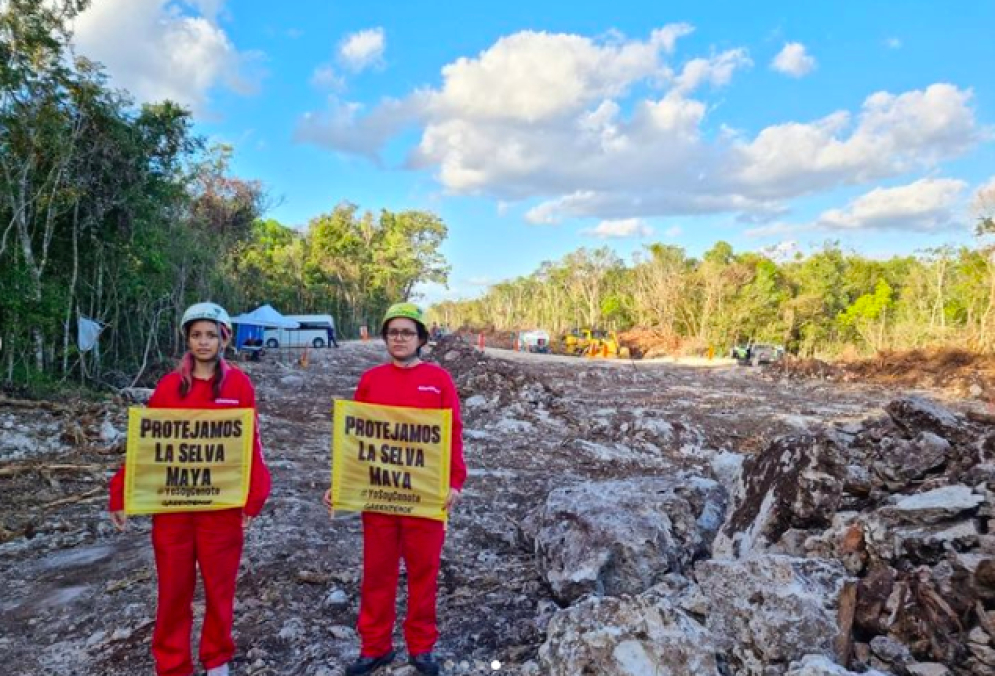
(406, 334)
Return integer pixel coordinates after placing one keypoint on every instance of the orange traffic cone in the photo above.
(304, 358)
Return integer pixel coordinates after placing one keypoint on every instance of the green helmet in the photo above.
(405, 310)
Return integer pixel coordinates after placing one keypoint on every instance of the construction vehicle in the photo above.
(595, 344)
(536, 341)
(757, 354)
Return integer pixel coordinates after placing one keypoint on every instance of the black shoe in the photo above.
(425, 664)
(367, 665)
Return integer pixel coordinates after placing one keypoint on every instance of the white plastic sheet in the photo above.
(89, 331)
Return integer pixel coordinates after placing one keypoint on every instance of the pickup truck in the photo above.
(757, 354)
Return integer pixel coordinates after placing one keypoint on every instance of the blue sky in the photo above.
(534, 129)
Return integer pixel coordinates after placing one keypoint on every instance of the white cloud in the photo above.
(325, 78)
(430, 293)
(983, 200)
(782, 251)
(716, 71)
(648, 201)
(674, 232)
(547, 213)
(209, 9)
(427, 294)
(778, 229)
(987, 188)
(357, 52)
(893, 43)
(531, 77)
(344, 127)
(767, 213)
(620, 229)
(793, 60)
(926, 205)
(364, 49)
(604, 129)
(893, 134)
(156, 52)
(668, 36)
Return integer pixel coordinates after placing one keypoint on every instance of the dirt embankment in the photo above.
(958, 372)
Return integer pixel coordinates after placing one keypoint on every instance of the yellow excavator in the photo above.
(594, 344)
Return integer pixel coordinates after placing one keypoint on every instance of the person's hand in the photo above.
(327, 501)
(246, 521)
(452, 498)
(120, 520)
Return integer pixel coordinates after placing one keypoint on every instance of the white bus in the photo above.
(314, 331)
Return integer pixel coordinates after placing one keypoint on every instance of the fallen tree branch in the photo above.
(95, 494)
(26, 403)
(843, 644)
(16, 470)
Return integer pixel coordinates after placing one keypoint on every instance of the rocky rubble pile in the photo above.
(904, 502)
(863, 547)
(501, 396)
(476, 373)
(494, 389)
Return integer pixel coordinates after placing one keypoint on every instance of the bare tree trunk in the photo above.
(71, 302)
(99, 295)
(178, 302)
(984, 338)
(34, 272)
(49, 187)
(153, 330)
(940, 300)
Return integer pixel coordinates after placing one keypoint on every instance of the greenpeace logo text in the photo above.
(429, 388)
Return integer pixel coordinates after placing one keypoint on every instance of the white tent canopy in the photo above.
(266, 317)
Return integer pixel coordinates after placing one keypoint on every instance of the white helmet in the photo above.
(209, 311)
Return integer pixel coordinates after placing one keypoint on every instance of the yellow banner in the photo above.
(187, 459)
(391, 459)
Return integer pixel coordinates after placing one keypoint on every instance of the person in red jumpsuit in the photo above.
(211, 541)
(404, 381)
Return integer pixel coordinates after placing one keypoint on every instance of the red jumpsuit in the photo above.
(388, 538)
(210, 540)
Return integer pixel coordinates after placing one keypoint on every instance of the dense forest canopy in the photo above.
(825, 303)
(124, 215)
